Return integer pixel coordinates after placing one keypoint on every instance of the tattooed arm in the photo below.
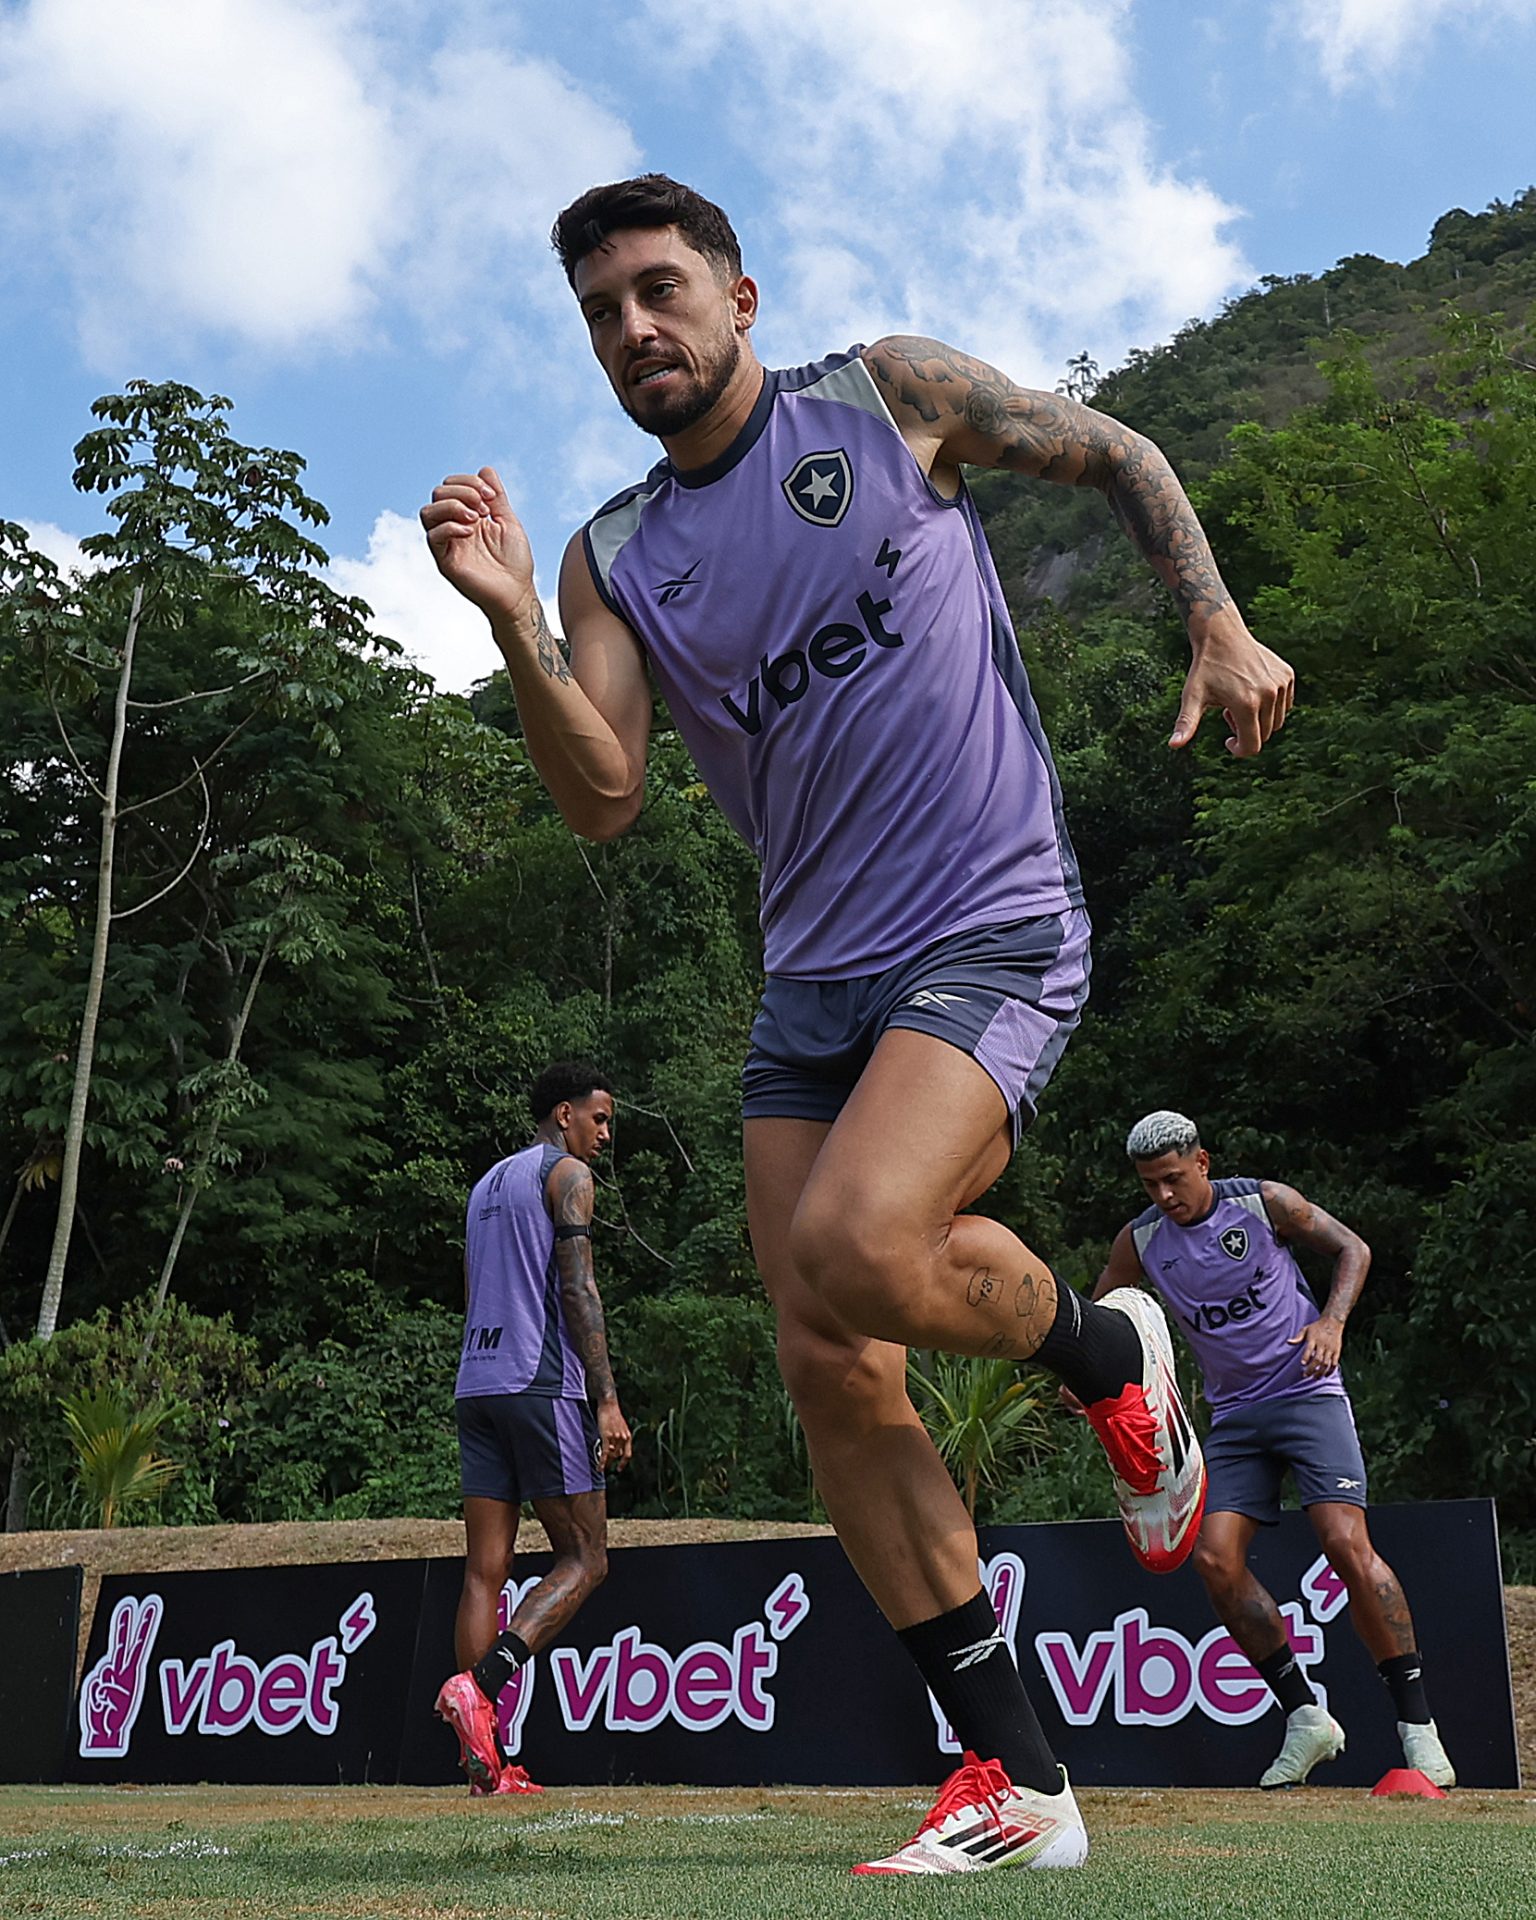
(587, 723)
(953, 410)
(569, 1192)
(1295, 1218)
(1121, 1269)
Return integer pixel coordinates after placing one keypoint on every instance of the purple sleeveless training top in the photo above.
(515, 1338)
(832, 641)
(1237, 1294)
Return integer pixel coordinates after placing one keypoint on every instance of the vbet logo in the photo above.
(633, 1686)
(222, 1693)
(1154, 1676)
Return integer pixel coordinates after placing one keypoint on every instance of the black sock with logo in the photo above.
(1404, 1675)
(508, 1656)
(1094, 1351)
(1281, 1672)
(969, 1672)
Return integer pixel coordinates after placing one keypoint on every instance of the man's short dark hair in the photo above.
(565, 1080)
(649, 200)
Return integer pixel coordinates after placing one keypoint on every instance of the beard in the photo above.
(668, 414)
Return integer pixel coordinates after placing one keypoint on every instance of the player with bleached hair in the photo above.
(806, 578)
(1219, 1253)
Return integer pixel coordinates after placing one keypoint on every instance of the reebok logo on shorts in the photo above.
(930, 998)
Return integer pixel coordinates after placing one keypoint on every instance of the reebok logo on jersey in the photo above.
(831, 653)
(976, 1652)
(670, 590)
(820, 487)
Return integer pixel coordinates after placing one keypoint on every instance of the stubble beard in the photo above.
(669, 415)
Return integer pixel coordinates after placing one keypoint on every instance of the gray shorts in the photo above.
(1008, 996)
(527, 1446)
(1249, 1450)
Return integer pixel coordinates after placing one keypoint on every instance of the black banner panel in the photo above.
(39, 1630)
(763, 1662)
(263, 1675)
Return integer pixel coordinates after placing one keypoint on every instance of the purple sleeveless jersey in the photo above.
(1237, 1294)
(515, 1338)
(832, 641)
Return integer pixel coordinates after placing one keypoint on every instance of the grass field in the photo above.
(229, 1853)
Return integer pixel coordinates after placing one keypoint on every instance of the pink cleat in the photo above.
(472, 1717)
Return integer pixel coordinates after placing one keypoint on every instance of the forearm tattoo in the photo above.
(1053, 438)
(551, 659)
(571, 1205)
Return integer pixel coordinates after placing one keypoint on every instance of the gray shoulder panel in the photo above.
(854, 386)
(609, 532)
(1254, 1202)
(1142, 1232)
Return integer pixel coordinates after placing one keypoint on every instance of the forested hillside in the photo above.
(348, 927)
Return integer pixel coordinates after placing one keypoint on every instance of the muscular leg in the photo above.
(1245, 1608)
(490, 1530)
(577, 1525)
(877, 1234)
(1377, 1607)
(890, 1497)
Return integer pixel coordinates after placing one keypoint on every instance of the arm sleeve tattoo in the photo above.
(985, 420)
(570, 1206)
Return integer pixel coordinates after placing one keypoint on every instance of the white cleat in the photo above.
(1157, 1463)
(1312, 1735)
(981, 1819)
(1423, 1751)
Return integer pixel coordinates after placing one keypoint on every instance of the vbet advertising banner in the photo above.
(766, 1662)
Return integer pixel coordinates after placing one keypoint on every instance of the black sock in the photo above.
(1281, 1673)
(969, 1672)
(1092, 1350)
(1404, 1675)
(509, 1652)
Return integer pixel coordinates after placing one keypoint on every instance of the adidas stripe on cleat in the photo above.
(1156, 1460)
(981, 1820)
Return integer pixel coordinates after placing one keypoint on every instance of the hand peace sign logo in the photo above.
(113, 1691)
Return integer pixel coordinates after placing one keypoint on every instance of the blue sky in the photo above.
(334, 212)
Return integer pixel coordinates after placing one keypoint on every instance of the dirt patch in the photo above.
(303, 1543)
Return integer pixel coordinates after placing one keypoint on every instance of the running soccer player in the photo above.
(806, 578)
(1218, 1251)
(539, 1418)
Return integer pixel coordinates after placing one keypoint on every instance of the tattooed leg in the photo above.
(1378, 1609)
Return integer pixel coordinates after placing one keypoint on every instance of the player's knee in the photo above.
(827, 1378)
(1216, 1567)
(850, 1256)
(594, 1565)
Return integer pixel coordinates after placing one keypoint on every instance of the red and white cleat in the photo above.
(981, 1819)
(1157, 1463)
(472, 1717)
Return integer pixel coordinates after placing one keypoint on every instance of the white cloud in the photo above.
(283, 172)
(62, 548)
(1355, 39)
(412, 603)
(213, 165)
(980, 171)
